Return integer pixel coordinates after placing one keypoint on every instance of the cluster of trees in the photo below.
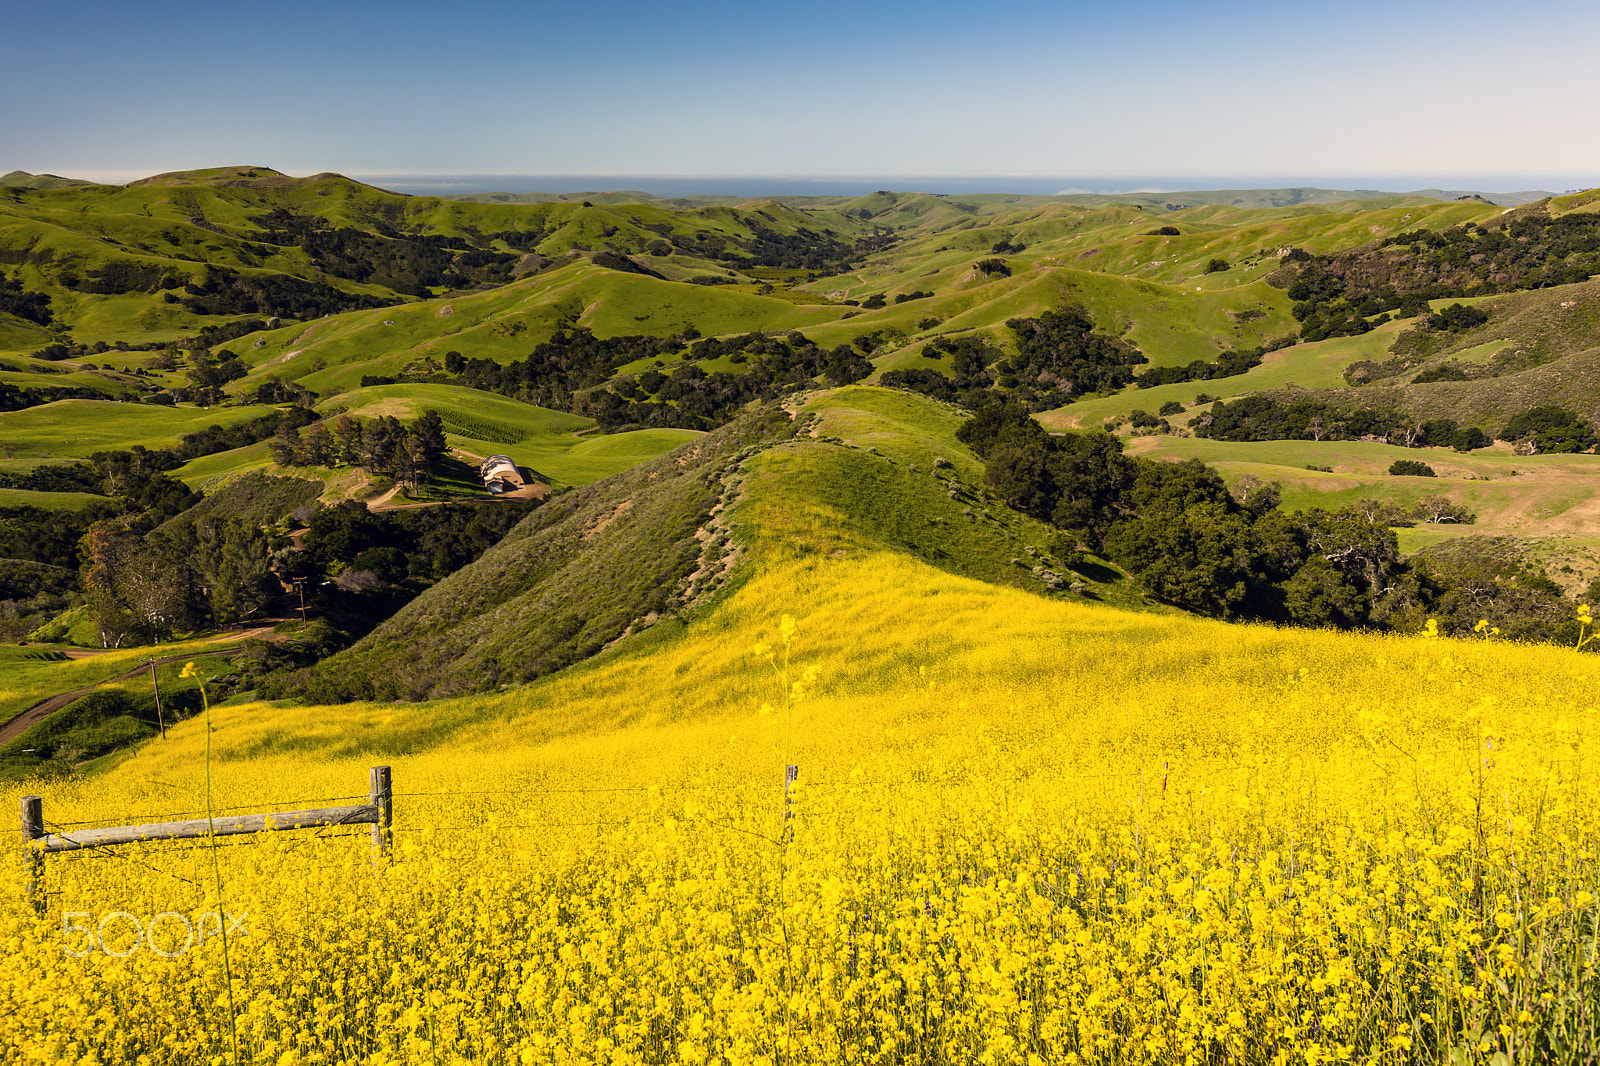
(208, 371)
(1255, 418)
(571, 371)
(571, 361)
(1550, 428)
(55, 477)
(1227, 365)
(275, 391)
(66, 348)
(156, 558)
(382, 445)
(1456, 318)
(23, 302)
(31, 594)
(1437, 510)
(1188, 541)
(419, 545)
(968, 384)
(1060, 357)
(44, 548)
(224, 564)
(228, 292)
(202, 442)
(222, 332)
(1336, 294)
(1443, 372)
(693, 399)
(124, 275)
(15, 398)
(135, 482)
(409, 263)
(1547, 428)
(806, 249)
(1483, 584)
(358, 568)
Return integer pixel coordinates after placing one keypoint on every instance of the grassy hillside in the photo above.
(22, 179)
(79, 428)
(575, 576)
(334, 354)
(130, 263)
(614, 558)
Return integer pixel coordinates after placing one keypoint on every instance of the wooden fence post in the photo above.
(155, 681)
(33, 829)
(790, 775)
(382, 798)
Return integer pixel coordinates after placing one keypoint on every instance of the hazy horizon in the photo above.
(746, 184)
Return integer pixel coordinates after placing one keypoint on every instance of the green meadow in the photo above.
(76, 429)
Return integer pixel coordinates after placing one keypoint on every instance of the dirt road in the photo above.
(37, 713)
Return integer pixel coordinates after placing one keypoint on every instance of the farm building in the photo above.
(500, 474)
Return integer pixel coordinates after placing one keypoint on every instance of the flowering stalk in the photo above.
(190, 670)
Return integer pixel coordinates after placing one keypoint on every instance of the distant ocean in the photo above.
(852, 185)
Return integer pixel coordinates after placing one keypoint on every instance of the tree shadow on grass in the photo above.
(1097, 572)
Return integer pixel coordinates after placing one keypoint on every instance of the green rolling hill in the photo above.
(614, 345)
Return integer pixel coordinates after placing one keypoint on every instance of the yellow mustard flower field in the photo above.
(1021, 831)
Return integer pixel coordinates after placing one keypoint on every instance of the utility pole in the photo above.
(300, 587)
(160, 718)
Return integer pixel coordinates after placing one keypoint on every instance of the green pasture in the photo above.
(48, 501)
(32, 672)
(901, 425)
(79, 428)
(112, 384)
(1524, 495)
(207, 472)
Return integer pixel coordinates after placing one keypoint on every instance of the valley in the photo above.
(937, 628)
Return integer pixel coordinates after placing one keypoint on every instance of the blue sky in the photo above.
(1396, 94)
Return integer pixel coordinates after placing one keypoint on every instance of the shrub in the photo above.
(1410, 468)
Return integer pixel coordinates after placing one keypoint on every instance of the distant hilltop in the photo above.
(21, 179)
(712, 191)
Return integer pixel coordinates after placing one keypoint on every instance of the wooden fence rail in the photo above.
(377, 811)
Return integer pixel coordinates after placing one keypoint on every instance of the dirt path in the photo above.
(37, 713)
(386, 502)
